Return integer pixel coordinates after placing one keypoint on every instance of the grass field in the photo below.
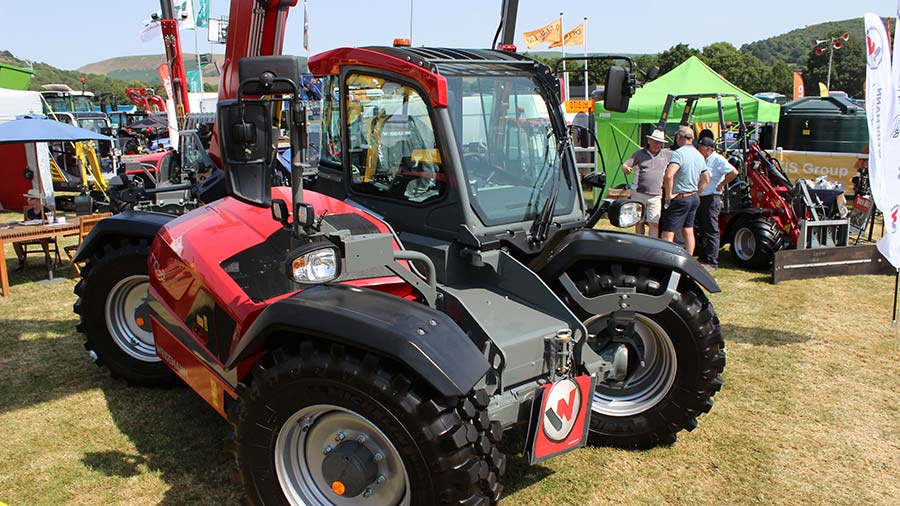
(809, 414)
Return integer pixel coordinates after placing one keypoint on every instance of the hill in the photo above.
(143, 67)
(794, 46)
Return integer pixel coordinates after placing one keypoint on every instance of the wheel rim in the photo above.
(646, 384)
(127, 318)
(303, 443)
(744, 244)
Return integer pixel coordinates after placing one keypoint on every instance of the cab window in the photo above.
(330, 151)
(391, 141)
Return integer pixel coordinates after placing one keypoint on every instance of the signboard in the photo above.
(838, 167)
(860, 214)
(560, 418)
(576, 106)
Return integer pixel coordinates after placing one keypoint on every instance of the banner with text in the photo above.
(838, 167)
(884, 130)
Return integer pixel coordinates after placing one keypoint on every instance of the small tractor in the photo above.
(370, 338)
(763, 211)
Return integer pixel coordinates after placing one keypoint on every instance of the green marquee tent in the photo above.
(619, 133)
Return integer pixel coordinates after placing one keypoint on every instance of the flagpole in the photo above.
(197, 54)
(584, 34)
(562, 42)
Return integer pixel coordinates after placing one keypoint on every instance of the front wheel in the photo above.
(755, 242)
(324, 425)
(671, 361)
(115, 319)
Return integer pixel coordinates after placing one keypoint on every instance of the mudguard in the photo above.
(131, 224)
(416, 336)
(610, 246)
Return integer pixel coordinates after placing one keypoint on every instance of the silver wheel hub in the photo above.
(645, 370)
(128, 318)
(744, 244)
(305, 453)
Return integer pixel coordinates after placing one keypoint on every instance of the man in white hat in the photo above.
(649, 166)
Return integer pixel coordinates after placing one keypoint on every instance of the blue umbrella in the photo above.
(44, 130)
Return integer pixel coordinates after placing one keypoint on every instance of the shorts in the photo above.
(680, 214)
(652, 206)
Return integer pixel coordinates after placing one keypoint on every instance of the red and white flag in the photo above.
(883, 116)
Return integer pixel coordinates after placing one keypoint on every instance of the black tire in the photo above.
(680, 382)
(447, 446)
(104, 271)
(754, 242)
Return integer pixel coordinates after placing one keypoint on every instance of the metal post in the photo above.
(830, 59)
(562, 41)
(197, 54)
(410, 21)
(584, 27)
(894, 313)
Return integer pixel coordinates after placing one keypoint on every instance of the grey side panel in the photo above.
(137, 224)
(606, 246)
(423, 339)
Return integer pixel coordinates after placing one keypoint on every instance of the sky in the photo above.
(72, 33)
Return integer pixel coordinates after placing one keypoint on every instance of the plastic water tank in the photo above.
(826, 124)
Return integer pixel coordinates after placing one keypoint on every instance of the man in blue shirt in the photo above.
(686, 175)
(720, 174)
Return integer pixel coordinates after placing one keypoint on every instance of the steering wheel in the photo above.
(478, 168)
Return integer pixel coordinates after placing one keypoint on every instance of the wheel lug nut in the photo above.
(378, 457)
(305, 424)
(381, 479)
(327, 450)
(340, 437)
(368, 492)
(361, 439)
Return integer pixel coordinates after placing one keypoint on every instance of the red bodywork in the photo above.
(176, 66)
(186, 259)
(767, 194)
(153, 159)
(142, 98)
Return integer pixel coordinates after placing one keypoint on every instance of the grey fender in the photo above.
(131, 224)
(618, 247)
(420, 338)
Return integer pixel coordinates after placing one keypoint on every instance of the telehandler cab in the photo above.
(370, 338)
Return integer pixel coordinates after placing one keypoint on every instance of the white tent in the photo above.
(15, 103)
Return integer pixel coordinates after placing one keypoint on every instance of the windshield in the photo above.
(83, 103)
(509, 149)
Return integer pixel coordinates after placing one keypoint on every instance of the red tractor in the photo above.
(372, 336)
(765, 212)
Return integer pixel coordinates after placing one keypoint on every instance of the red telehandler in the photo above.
(371, 337)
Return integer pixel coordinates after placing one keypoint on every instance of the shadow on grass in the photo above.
(519, 473)
(48, 361)
(175, 435)
(36, 269)
(760, 336)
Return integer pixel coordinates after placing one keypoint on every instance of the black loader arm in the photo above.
(131, 224)
(412, 334)
(610, 246)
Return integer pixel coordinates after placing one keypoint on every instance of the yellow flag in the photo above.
(549, 33)
(823, 90)
(574, 37)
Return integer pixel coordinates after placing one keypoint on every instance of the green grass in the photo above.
(809, 414)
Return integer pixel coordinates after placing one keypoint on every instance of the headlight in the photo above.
(626, 213)
(317, 266)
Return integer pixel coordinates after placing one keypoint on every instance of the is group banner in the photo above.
(203, 13)
(837, 167)
(884, 134)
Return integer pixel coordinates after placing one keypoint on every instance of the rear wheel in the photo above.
(755, 241)
(323, 425)
(672, 361)
(115, 320)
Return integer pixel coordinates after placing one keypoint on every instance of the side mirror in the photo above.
(595, 180)
(618, 90)
(653, 73)
(245, 128)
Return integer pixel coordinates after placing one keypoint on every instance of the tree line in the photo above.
(745, 70)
